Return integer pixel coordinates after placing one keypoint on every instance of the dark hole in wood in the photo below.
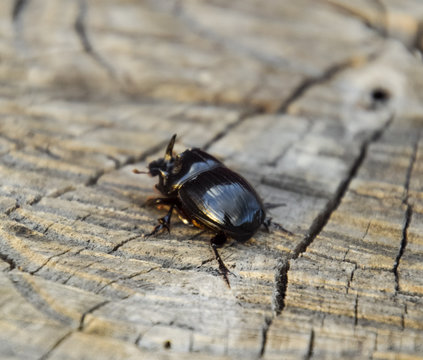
(380, 95)
(167, 344)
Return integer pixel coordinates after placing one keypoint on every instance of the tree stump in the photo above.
(317, 103)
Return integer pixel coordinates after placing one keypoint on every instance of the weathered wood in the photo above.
(318, 104)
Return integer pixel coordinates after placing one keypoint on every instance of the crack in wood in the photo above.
(115, 161)
(46, 150)
(35, 200)
(18, 8)
(78, 329)
(25, 286)
(408, 213)
(410, 168)
(276, 159)
(417, 44)
(6, 258)
(62, 191)
(138, 339)
(55, 345)
(374, 346)
(92, 181)
(405, 312)
(205, 33)
(309, 82)
(90, 311)
(18, 143)
(412, 295)
(12, 209)
(381, 25)
(242, 117)
(381, 28)
(48, 260)
(128, 277)
(310, 346)
(281, 282)
(81, 31)
(403, 244)
(116, 247)
(65, 282)
(351, 278)
(264, 330)
(356, 310)
(323, 217)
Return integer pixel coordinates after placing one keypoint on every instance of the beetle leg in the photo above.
(216, 242)
(266, 223)
(164, 222)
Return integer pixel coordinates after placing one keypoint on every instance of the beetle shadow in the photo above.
(269, 206)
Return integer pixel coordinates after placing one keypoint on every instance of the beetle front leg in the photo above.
(164, 222)
(215, 242)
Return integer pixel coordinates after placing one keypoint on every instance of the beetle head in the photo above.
(163, 166)
(158, 167)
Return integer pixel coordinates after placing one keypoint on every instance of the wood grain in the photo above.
(317, 103)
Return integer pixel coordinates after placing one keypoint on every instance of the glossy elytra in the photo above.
(207, 194)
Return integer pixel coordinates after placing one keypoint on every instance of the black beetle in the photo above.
(208, 195)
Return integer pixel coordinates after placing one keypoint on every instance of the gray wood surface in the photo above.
(318, 103)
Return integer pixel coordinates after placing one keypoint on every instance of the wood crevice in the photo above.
(28, 289)
(418, 38)
(81, 31)
(90, 311)
(408, 213)
(242, 117)
(9, 260)
(310, 347)
(264, 330)
(323, 217)
(410, 168)
(282, 278)
(309, 82)
(46, 355)
(117, 246)
(126, 278)
(350, 280)
(234, 47)
(407, 219)
(92, 181)
(48, 260)
(356, 310)
(18, 8)
(78, 329)
(380, 28)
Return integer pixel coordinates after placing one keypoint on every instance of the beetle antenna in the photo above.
(136, 171)
(168, 155)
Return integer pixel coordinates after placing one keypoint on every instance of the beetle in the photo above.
(207, 194)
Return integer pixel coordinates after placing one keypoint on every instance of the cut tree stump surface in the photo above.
(319, 104)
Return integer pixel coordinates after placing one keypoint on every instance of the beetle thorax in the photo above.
(178, 170)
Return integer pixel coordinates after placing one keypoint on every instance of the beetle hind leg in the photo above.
(217, 241)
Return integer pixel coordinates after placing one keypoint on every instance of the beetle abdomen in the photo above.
(222, 200)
